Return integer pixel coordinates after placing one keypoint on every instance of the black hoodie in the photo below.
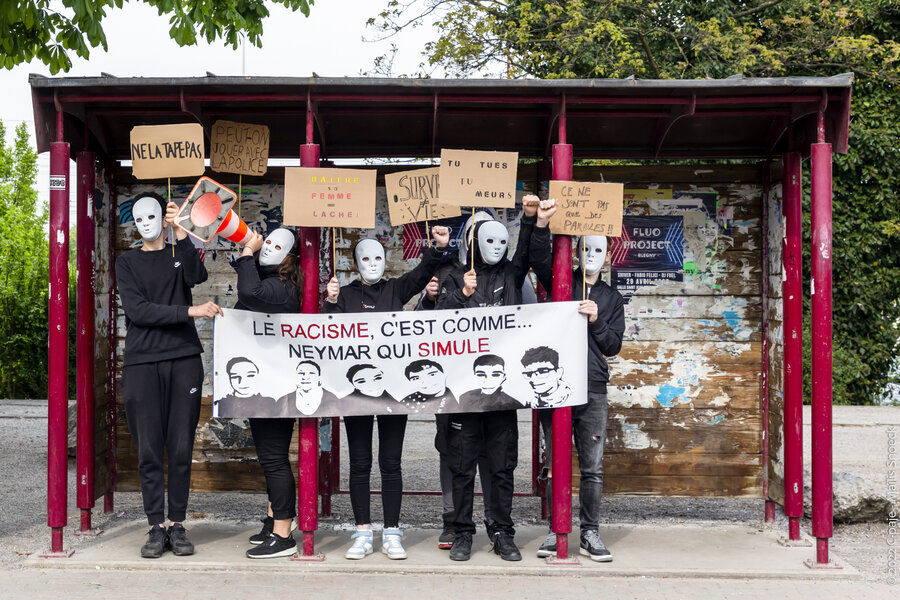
(499, 284)
(260, 289)
(604, 334)
(387, 295)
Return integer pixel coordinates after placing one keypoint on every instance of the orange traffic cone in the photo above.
(207, 213)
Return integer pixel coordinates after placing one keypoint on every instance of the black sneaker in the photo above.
(274, 547)
(156, 544)
(505, 546)
(264, 533)
(548, 547)
(593, 547)
(462, 547)
(445, 540)
(178, 540)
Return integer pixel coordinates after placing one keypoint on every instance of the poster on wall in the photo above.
(650, 251)
(478, 178)
(239, 148)
(441, 361)
(323, 197)
(414, 196)
(161, 151)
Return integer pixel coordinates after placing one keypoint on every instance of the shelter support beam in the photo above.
(84, 348)
(108, 499)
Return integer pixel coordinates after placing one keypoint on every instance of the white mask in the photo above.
(592, 253)
(148, 215)
(464, 250)
(279, 243)
(370, 260)
(492, 241)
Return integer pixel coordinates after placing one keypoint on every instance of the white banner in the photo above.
(440, 361)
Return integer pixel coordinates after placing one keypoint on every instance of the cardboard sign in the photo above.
(240, 148)
(413, 196)
(160, 151)
(587, 208)
(476, 178)
(316, 197)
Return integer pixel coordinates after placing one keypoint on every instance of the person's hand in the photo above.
(441, 235)
(171, 211)
(255, 243)
(207, 310)
(530, 205)
(546, 210)
(432, 289)
(589, 308)
(470, 282)
(333, 289)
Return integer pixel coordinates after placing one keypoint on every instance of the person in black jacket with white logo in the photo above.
(492, 280)
(371, 292)
(162, 374)
(604, 307)
(269, 281)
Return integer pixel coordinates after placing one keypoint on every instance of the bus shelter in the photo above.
(706, 395)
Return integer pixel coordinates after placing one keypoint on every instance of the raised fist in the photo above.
(441, 235)
(546, 210)
(333, 289)
(530, 205)
(470, 282)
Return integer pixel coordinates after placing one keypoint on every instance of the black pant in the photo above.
(496, 434)
(272, 438)
(391, 431)
(162, 405)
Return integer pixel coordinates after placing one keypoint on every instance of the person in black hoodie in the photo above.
(162, 374)
(374, 293)
(604, 308)
(269, 281)
(493, 280)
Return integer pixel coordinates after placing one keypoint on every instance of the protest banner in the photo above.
(587, 208)
(315, 197)
(239, 148)
(161, 151)
(414, 196)
(442, 361)
(478, 178)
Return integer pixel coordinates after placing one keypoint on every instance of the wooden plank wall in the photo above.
(701, 335)
(775, 466)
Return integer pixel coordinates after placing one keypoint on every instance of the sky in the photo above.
(329, 42)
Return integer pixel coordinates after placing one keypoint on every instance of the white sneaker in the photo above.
(362, 545)
(391, 543)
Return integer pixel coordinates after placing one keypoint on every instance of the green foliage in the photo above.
(23, 272)
(687, 39)
(32, 29)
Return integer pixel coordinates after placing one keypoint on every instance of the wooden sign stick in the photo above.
(427, 236)
(472, 242)
(583, 272)
(240, 182)
(171, 227)
(333, 255)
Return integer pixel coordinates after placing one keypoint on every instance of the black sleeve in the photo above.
(520, 260)
(541, 256)
(256, 294)
(336, 307)
(609, 327)
(410, 284)
(425, 303)
(451, 295)
(138, 309)
(194, 269)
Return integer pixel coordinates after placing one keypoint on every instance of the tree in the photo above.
(697, 39)
(23, 271)
(31, 29)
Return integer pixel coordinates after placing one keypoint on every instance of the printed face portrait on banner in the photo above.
(148, 217)
(242, 374)
(367, 379)
(542, 371)
(592, 253)
(308, 377)
(370, 260)
(490, 370)
(428, 377)
(278, 245)
(492, 241)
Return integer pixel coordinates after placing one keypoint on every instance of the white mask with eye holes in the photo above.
(148, 217)
(592, 253)
(492, 241)
(370, 260)
(279, 243)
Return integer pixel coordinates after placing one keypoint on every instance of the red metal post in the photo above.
(562, 417)
(84, 344)
(58, 364)
(820, 289)
(308, 469)
(792, 297)
(108, 498)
